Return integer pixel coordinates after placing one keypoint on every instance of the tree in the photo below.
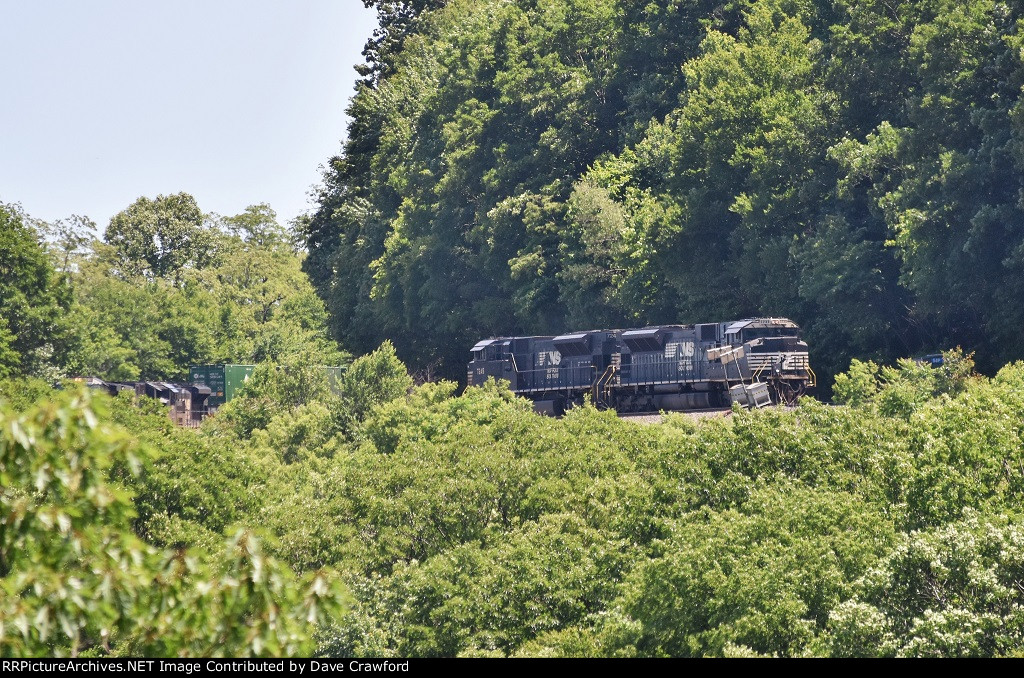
(396, 20)
(266, 307)
(249, 302)
(33, 300)
(157, 238)
(774, 173)
(258, 226)
(373, 379)
(438, 223)
(74, 577)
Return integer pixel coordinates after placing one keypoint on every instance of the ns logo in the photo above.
(679, 349)
(549, 358)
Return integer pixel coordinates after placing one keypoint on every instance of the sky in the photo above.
(237, 102)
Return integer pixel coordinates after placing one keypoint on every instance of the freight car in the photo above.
(187, 404)
(225, 381)
(210, 388)
(753, 362)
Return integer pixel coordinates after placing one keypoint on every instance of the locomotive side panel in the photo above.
(667, 355)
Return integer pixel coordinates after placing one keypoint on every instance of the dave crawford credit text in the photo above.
(189, 667)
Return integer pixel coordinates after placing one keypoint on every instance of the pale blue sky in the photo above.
(234, 101)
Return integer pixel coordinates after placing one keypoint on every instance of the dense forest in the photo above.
(392, 520)
(551, 165)
(534, 167)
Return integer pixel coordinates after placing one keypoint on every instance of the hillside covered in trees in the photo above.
(549, 165)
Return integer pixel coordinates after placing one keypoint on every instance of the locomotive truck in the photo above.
(753, 362)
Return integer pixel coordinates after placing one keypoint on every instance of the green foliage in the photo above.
(134, 329)
(272, 389)
(530, 168)
(543, 576)
(171, 288)
(592, 275)
(441, 218)
(396, 19)
(948, 592)
(468, 525)
(858, 386)
(764, 577)
(901, 390)
(221, 490)
(373, 379)
(74, 577)
(9, 358)
(755, 535)
(262, 305)
(20, 394)
(539, 167)
(158, 238)
(33, 301)
(258, 226)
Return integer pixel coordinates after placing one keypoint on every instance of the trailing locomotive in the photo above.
(753, 362)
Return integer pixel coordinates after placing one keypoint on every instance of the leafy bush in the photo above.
(74, 576)
(947, 592)
(469, 525)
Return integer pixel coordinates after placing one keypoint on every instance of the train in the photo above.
(211, 386)
(754, 362)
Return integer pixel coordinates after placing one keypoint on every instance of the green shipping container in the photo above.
(224, 381)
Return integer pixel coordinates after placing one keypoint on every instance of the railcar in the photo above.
(753, 362)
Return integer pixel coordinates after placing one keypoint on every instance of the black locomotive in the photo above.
(670, 367)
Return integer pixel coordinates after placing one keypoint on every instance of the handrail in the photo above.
(515, 367)
(755, 375)
(574, 368)
(608, 382)
(600, 384)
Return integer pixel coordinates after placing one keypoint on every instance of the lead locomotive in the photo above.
(752, 362)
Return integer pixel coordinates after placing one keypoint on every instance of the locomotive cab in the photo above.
(489, 359)
(773, 350)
